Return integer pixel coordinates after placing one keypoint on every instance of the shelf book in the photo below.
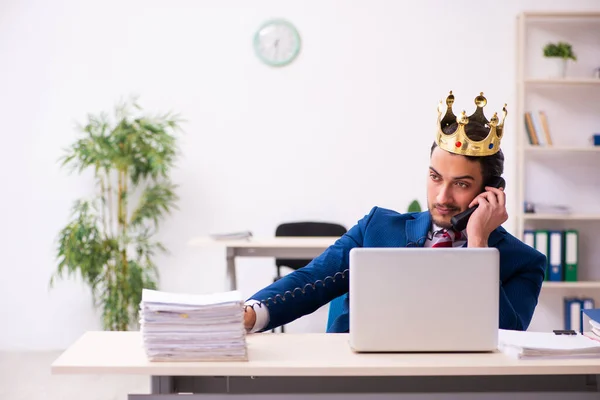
(536, 126)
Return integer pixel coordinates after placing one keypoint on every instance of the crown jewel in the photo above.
(458, 142)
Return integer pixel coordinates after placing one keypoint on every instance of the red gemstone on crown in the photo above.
(458, 144)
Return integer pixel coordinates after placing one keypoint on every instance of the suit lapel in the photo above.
(417, 228)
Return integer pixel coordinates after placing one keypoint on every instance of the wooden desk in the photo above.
(279, 247)
(323, 364)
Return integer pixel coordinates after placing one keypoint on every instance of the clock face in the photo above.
(277, 43)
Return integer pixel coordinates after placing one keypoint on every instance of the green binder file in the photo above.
(571, 254)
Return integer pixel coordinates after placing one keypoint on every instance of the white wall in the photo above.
(346, 127)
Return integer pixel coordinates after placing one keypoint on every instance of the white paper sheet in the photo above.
(546, 345)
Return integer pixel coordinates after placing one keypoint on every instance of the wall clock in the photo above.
(277, 43)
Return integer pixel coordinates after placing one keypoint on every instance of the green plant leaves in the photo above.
(156, 200)
(111, 250)
(561, 49)
(414, 206)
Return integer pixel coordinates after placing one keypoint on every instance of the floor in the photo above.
(26, 376)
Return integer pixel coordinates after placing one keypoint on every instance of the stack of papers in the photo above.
(189, 327)
(231, 235)
(539, 345)
(595, 328)
(593, 315)
(541, 208)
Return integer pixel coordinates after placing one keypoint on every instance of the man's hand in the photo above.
(249, 317)
(490, 214)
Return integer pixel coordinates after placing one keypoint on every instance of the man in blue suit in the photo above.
(465, 155)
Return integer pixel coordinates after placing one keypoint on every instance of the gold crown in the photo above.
(458, 142)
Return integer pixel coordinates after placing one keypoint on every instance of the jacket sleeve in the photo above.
(307, 289)
(519, 295)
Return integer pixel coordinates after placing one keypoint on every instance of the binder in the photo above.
(541, 245)
(555, 261)
(529, 237)
(571, 255)
(572, 307)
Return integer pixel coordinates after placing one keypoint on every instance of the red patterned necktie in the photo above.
(445, 238)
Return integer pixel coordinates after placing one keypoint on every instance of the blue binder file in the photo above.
(555, 261)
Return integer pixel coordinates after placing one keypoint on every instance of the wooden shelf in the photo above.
(560, 217)
(570, 105)
(562, 14)
(561, 81)
(561, 149)
(572, 285)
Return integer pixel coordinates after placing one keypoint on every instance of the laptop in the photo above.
(424, 300)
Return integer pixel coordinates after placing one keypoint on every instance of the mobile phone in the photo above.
(459, 221)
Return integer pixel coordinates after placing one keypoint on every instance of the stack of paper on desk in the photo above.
(593, 317)
(187, 327)
(546, 345)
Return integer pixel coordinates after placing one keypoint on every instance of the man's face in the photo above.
(453, 182)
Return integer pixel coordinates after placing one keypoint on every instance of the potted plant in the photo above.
(414, 206)
(109, 240)
(562, 52)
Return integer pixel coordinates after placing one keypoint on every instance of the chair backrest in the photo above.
(305, 229)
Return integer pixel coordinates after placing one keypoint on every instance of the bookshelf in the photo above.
(561, 149)
(562, 82)
(561, 217)
(571, 285)
(563, 173)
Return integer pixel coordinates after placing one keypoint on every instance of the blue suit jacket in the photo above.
(522, 271)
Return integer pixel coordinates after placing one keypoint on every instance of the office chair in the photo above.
(336, 307)
(303, 229)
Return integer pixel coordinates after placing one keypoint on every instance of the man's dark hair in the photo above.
(490, 165)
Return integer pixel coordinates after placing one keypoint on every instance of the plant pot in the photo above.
(557, 67)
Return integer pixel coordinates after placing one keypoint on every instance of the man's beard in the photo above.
(442, 223)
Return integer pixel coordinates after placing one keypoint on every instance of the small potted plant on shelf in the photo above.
(562, 52)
